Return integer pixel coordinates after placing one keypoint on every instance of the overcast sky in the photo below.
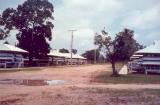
(90, 16)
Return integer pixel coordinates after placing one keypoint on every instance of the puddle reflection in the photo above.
(31, 82)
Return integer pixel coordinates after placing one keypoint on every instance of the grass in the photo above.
(126, 93)
(124, 96)
(104, 77)
(155, 92)
(131, 96)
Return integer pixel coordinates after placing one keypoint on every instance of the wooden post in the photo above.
(145, 68)
(145, 71)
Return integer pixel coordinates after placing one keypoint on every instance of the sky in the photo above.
(91, 16)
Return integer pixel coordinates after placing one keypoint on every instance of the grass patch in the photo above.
(124, 97)
(155, 92)
(115, 92)
(104, 77)
(131, 96)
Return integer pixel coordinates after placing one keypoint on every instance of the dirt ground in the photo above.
(78, 88)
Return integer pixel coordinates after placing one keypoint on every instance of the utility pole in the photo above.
(72, 31)
(95, 52)
(95, 56)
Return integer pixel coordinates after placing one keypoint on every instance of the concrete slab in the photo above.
(123, 70)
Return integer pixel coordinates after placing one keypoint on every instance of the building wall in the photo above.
(11, 59)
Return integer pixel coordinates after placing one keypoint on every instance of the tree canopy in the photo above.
(90, 55)
(74, 51)
(63, 50)
(125, 44)
(3, 31)
(33, 20)
(121, 48)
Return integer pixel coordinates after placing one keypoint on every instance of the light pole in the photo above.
(95, 56)
(72, 31)
(95, 52)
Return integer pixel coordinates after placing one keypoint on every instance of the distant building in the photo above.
(147, 59)
(65, 58)
(11, 56)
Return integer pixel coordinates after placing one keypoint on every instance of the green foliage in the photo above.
(3, 31)
(63, 50)
(33, 20)
(104, 77)
(74, 51)
(121, 48)
(90, 54)
(2, 34)
(6, 42)
(125, 44)
(103, 40)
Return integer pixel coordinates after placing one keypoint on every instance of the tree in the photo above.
(74, 51)
(3, 31)
(3, 34)
(33, 20)
(63, 50)
(6, 42)
(126, 45)
(90, 55)
(121, 48)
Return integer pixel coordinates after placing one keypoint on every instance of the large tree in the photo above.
(33, 20)
(121, 48)
(125, 44)
(90, 55)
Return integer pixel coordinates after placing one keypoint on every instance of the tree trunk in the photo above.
(114, 72)
(30, 60)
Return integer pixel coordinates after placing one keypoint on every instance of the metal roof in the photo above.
(135, 55)
(150, 63)
(11, 48)
(152, 49)
(55, 53)
(65, 55)
(151, 59)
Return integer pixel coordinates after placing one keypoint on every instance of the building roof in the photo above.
(55, 53)
(136, 56)
(11, 48)
(152, 49)
(65, 55)
(150, 63)
(151, 59)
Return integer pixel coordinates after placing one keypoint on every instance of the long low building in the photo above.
(147, 59)
(65, 58)
(11, 56)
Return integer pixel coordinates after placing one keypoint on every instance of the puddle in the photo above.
(31, 82)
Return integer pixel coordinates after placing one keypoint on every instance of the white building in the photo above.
(65, 58)
(11, 56)
(147, 59)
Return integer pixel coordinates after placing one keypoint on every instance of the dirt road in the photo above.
(76, 90)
